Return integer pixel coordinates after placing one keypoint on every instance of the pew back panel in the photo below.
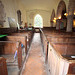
(3, 67)
(7, 48)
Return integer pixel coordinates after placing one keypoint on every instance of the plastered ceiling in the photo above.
(40, 4)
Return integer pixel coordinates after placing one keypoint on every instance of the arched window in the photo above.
(19, 17)
(38, 21)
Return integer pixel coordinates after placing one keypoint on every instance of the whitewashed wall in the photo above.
(11, 7)
(43, 13)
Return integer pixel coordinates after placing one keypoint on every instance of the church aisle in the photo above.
(35, 64)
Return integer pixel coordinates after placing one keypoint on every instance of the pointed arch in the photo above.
(61, 21)
(61, 9)
(53, 14)
(52, 17)
(19, 16)
(38, 21)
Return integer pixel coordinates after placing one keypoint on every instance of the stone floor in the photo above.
(35, 64)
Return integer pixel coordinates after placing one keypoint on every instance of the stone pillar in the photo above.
(69, 23)
(57, 24)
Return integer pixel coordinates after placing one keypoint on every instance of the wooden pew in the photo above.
(8, 50)
(50, 32)
(60, 63)
(62, 44)
(61, 39)
(22, 39)
(29, 35)
(8, 30)
(3, 67)
(65, 48)
(71, 68)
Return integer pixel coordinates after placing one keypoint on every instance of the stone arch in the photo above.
(52, 17)
(61, 9)
(2, 14)
(61, 18)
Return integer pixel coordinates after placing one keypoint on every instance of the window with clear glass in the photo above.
(38, 21)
